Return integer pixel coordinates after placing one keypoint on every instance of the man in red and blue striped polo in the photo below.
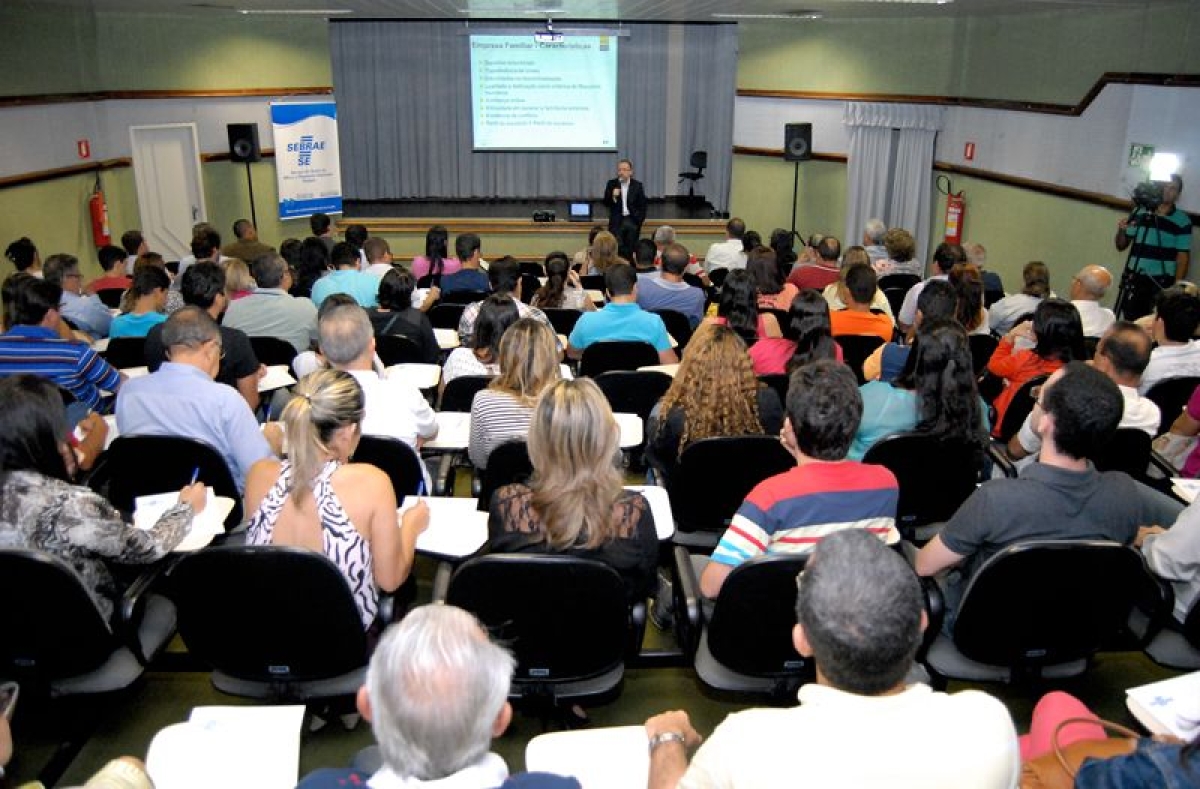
(824, 493)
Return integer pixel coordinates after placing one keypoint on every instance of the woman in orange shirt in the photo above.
(1057, 335)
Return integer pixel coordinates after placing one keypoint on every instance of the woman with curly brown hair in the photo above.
(715, 393)
(604, 253)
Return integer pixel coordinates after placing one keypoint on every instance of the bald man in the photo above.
(1087, 288)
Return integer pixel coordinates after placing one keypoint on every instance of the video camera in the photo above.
(1148, 195)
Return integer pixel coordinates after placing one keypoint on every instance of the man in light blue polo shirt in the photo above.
(621, 319)
(346, 278)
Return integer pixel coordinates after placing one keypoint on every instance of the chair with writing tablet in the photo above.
(126, 352)
(446, 316)
(111, 297)
(1171, 395)
(273, 351)
(394, 458)
(396, 349)
(600, 357)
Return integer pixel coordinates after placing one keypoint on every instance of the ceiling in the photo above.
(627, 10)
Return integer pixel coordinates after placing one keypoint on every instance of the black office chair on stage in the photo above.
(698, 161)
(398, 460)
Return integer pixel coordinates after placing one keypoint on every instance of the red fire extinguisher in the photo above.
(956, 212)
(98, 210)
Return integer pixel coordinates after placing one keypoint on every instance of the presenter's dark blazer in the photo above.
(636, 200)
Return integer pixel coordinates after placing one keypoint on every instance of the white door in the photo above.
(170, 191)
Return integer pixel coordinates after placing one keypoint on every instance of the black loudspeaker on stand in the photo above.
(797, 147)
(243, 147)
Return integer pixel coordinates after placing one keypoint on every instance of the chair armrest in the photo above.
(1161, 464)
(687, 602)
(637, 629)
(133, 603)
(1153, 605)
(444, 484)
(999, 456)
(441, 581)
(935, 610)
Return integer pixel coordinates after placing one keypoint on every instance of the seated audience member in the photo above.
(668, 291)
(993, 287)
(621, 319)
(397, 315)
(146, 301)
(1087, 288)
(1122, 355)
(86, 313)
(645, 257)
(604, 253)
(664, 236)
(356, 236)
(936, 302)
(806, 338)
(393, 406)
(113, 262)
(470, 277)
(481, 356)
(860, 615)
(714, 394)
(901, 250)
(270, 311)
(773, 292)
(582, 260)
(312, 263)
(436, 262)
(322, 230)
(203, 285)
(822, 271)
(436, 695)
(834, 292)
(857, 318)
(133, 246)
(967, 282)
(1173, 554)
(206, 245)
(1057, 338)
(247, 246)
(562, 289)
(1060, 497)
(155, 260)
(575, 502)
(346, 278)
(874, 232)
(505, 277)
(737, 308)
(24, 256)
(44, 511)
(238, 282)
(379, 256)
(1178, 353)
(945, 258)
(935, 394)
(33, 345)
(181, 399)
(1007, 312)
(528, 361)
(824, 493)
(783, 243)
(318, 499)
(731, 252)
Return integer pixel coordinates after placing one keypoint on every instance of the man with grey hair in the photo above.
(182, 399)
(1087, 288)
(270, 311)
(394, 408)
(86, 313)
(664, 236)
(860, 617)
(993, 286)
(872, 240)
(436, 696)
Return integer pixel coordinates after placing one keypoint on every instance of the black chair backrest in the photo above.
(562, 319)
(1019, 408)
(429, 280)
(267, 613)
(714, 476)
(779, 382)
(1128, 450)
(463, 297)
(698, 159)
(52, 627)
(1089, 347)
(272, 350)
(397, 349)
(1045, 602)
(717, 276)
(394, 458)
(895, 287)
(126, 352)
(633, 391)
(528, 267)
(678, 326)
(446, 316)
(508, 463)
(1171, 396)
(855, 350)
(935, 476)
(1191, 625)
(577, 631)
(529, 286)
(145, 465)
(460, 392)
(600, 357)
(592, 282)
(982, 347)
(111, 297)
(750, 630)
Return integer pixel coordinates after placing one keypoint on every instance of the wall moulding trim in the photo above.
(114, 95)
(1014, 105)
(42, 176)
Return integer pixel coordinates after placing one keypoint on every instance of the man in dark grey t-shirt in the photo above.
(1061, 497)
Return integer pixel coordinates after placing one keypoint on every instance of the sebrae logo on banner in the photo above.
(305, 148)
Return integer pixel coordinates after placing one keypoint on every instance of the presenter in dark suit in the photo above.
(626, 201)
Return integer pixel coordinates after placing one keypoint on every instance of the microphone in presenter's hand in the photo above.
(617, 193)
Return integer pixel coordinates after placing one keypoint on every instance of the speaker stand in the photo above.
(795, 195)
(254, 214)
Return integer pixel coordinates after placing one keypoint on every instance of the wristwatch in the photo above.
(667, 736)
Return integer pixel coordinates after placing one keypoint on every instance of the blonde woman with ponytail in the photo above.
(317, 499)
(575, 502)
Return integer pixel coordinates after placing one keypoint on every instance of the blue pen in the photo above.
(195, 476)
(421, 487)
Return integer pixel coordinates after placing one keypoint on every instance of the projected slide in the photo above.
(529, 95)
